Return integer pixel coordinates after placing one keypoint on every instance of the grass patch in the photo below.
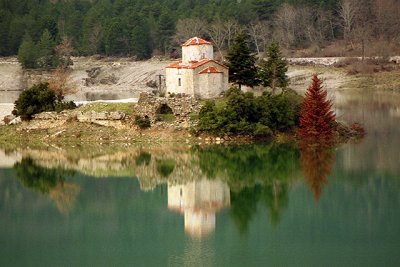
(127, 108)
(166, 117)
(194, 116)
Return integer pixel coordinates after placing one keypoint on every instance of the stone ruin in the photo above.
(182, 106)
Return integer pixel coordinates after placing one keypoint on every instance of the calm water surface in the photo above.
(255, 205)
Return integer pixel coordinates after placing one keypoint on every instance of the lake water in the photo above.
(170, 205)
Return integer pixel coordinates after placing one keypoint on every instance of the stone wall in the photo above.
(46, 120)
(181, 105)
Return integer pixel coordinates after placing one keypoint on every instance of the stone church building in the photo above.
(197, 74)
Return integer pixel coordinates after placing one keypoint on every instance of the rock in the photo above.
(116, 115)
(46, 116)
(7, 119)
(15, 121)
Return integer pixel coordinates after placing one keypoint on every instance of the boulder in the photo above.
(15, 121)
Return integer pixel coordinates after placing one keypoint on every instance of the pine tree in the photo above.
(27, 53)
(272, 71)
(46, 51)
(166, 29)
(141, 44)
(316, 115)
(241, 63)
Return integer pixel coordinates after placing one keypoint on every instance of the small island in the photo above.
(196, 106)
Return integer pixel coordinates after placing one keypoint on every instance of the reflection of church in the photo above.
(199, 201)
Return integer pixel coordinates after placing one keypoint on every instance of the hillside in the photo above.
(111, 78)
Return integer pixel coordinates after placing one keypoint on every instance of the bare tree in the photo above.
(387, 14)
(232, 28)
(260, 33)
(285, 20)
(349, 12)
(61, 83)
(217, 33)
(64, 51)
(188, 28)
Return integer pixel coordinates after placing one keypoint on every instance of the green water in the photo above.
(254, 205)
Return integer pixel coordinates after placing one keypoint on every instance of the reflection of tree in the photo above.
(275, 198)
(244, 206)
(40, 179)
(48, 181)
(243, 166)
(165, 167)
(244, 203)
(64, 195)
(256, 174)
(143, 159)
(317, 160)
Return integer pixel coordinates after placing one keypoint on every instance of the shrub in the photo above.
(37, 99)
(60, 106)
(242, 113)
(142, 122)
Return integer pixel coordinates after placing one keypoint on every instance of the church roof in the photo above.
(210, 70)
(193, 64)
(196, 41)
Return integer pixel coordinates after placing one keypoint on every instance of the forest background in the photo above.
(146, 28)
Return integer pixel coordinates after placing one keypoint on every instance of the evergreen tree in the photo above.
(316, 115)
(265, 8)
(141, 40)
(27, 53)
(116, 39)
(272, 71)
(46, 51)
(241, 63)
(166, 29)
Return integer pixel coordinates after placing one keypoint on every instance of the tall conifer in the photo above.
(272, 71)
(316, 115)
(241, 63)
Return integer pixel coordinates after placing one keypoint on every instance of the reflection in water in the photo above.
(245, 203)
(317, 160)
(64, 195)
(199, 201)
(201, 181)
(49, 181)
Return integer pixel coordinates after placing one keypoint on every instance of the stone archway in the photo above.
(181, 106)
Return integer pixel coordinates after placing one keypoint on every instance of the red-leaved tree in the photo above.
(316, 115)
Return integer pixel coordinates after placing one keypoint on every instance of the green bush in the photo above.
(142, 122)
(242, 113)
(39, 98)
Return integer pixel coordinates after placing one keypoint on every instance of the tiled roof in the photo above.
(195, 41)
(195, 64)
(210, 70)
